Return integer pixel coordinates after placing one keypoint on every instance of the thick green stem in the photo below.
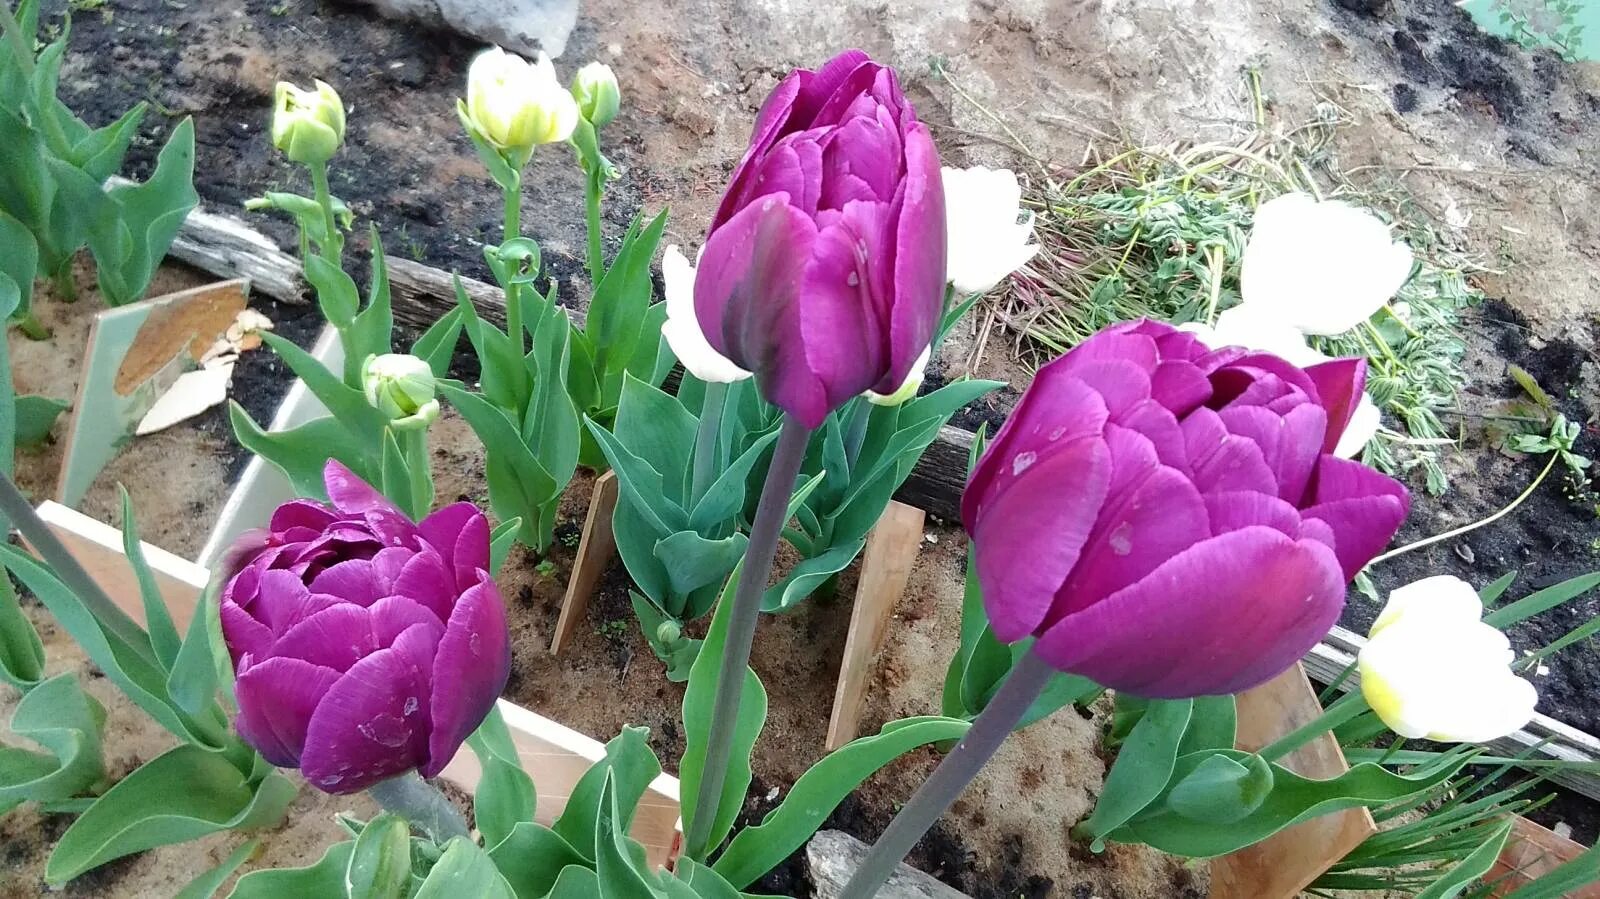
(414, 444)
(594, 190)
(1343, 709)
(333, 247)
(420, 803)
(990, 729)
(63, 284)
(15, 506)
(512, 193)
(787, 457)
(706, 439)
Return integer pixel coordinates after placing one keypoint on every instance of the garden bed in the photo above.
(1425, 94)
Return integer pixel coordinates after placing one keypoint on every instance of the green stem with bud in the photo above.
(333, 247)
(705, 440)
(593, 191)
(414, 445)
(512, 192)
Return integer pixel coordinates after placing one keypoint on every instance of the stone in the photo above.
(832, 857)
(523, 26)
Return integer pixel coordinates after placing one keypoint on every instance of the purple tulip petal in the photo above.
(301, 513)
(1362, 526)
(1150, 514)
(1045, 421)
(350, 494)
(794, 169)
(828, 95)
(1224, 615)
(1180, 386)
(1224, 461)
(460, 533)
(353, 581)
(283, 600)
(372, 724)
(394, 615)
(747, 298)
(276, 701)
(469, 671)
(1235, 510)
(1043, 518)
(1127, 347)
(426, 580)
(1122, 384)
(1290, 444)
(243, 633)
(387, 564)
(336, 638)
(1161, 428)
(920, 256)
(245, 550)
(1339, 384)
(840, 330)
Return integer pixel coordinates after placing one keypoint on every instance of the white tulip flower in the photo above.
(909, 387)
(988, 233)
(516, 105)
(1255, 329)
(1433, 669)
(682, 329)
(1323, 266)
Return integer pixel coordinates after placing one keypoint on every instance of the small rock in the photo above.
(1371, 8)
(525, 26)
(832, 857)
(1466, 553)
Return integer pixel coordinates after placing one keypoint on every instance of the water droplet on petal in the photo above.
(853, 280)
(1022, 462)
(1056, 434)
(475, 644)
(331, 780)
(1122, 539)
(411, 706)
(386, 730)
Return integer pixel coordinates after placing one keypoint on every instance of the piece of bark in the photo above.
(421, 294)
(832, 857)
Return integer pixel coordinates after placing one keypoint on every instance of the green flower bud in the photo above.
(595, 89)
(308, 126)
(668, 633)
(402, 388)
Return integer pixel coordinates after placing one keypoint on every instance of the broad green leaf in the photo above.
(505, 795)
(1143, 769)
(803, 579)
(636, 540)
(757, 850)
(437, 345)
(180, 795)
(337, 294)
(641, 484)
(206, 885)
(149, 218)
(617, 309)
(532, 857)
(21, 651)
(1221, 789)
(101, 152)
(348, 404)
(464, 870)
(192, 682)
(550, 425)
(380, 863)
(59, 716)
(163, 633)
(1212, 726)
(576, 882)
(1293, 799)
(725, 497)
(501, 539)
(698, 700)
(503, 375)
(705, 882)
(36, 415)
(691, 561)
(1492, 593)
(656, 428)
(519, 485)
(629, 767)
(301, 452)
(619, 862)
(323, 879)
(371, 332)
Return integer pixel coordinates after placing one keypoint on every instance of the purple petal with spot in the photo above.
(373, 723)
(1225, 615)
(470, 670)
(276, 701)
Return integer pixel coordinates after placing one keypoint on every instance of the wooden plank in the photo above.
(1282, 865)
(554, 755)
(1531, 852)
(420, 294)
(1544, 736)
(885, 567)
(134, 354)
(227, 247)
(596, 548)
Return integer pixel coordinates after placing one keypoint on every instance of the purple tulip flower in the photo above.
(1168, 519)
(365, 645)
(824, 270)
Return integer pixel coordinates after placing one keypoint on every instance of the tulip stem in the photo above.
(990, 729)
(420, 803)
(1343, 709)
(513, 230)
(765, 531)
(1474, 525)
(15, 506)
(594, 189)
(414, 443)
(333, 246)
(705, 440)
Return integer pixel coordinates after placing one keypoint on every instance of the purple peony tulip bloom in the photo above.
(364, 645)
(824, 270)
(1168, 519)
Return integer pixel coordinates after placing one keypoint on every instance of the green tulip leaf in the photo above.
(641, 484)
(627, 770)
(803, 579)
(506, 796)
(576, 882)
(1143, 768)
(519, 485)
(757, 850)
(724, 499)
(380, 863)
(35, 416)
(1474, 867)
(303, 451)
(655, 427)
(1212, 726)
(59, 716)
(325, 878)
(164, 637)
(181, 795)
(206, 885)
(531, 858)
(501, 539)
(21, 651)
(619, 861)
(621, 299)
(692, 561)
(464, 870)
(698, 700)
(1222, 790)
(437, 345)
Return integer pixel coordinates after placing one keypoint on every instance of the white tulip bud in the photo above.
(308, 126)
(402, 388)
